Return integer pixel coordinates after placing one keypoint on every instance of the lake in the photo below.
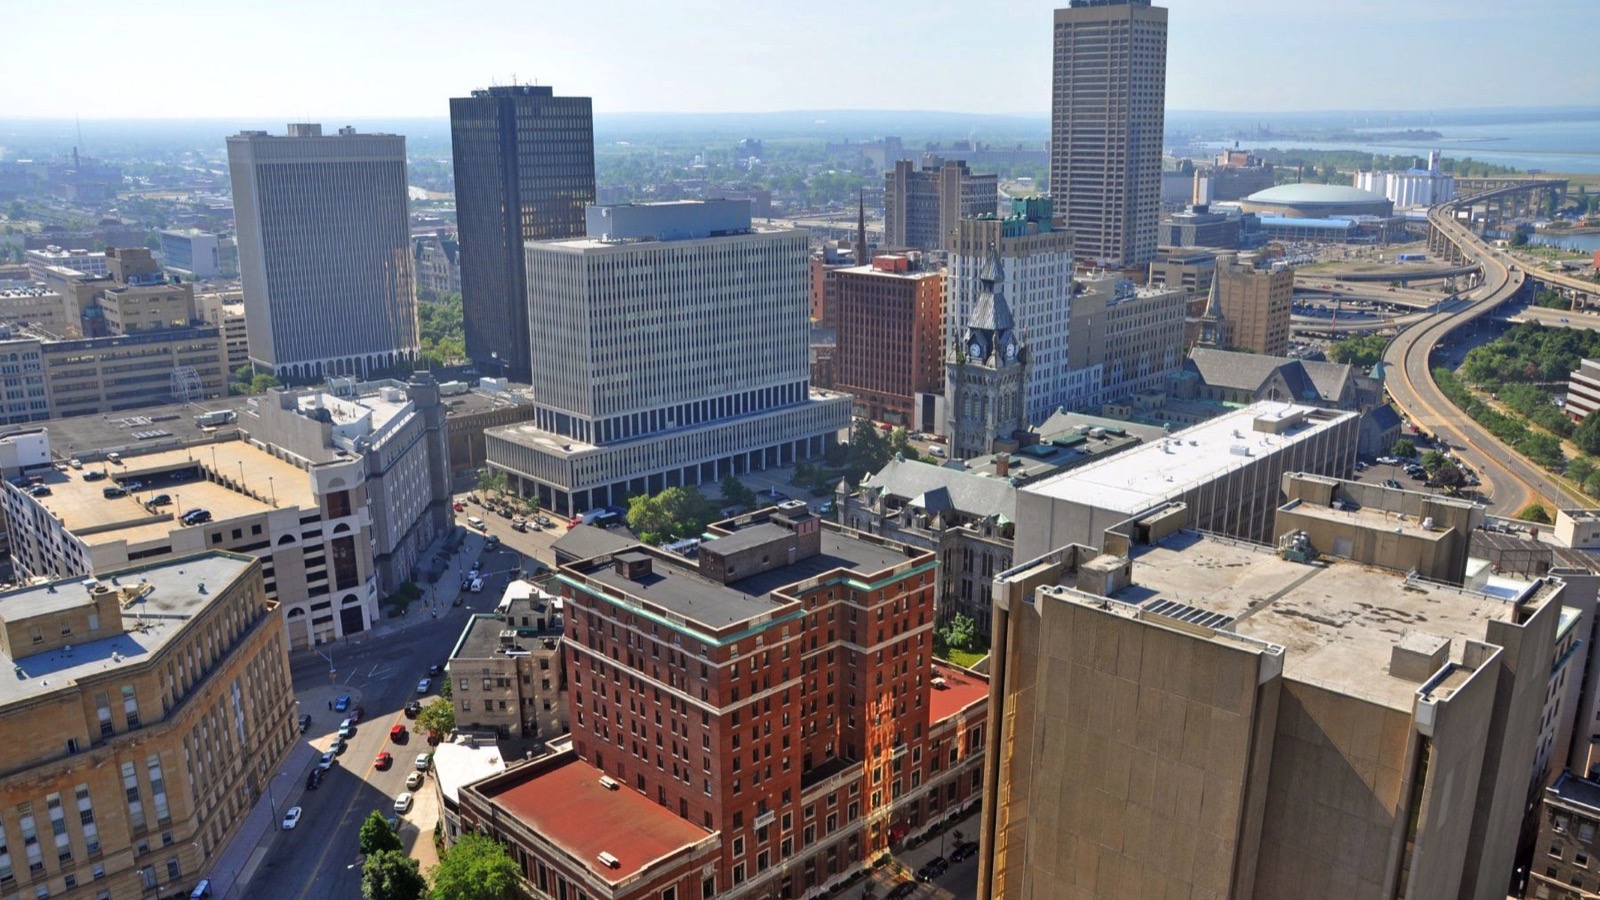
(1569, 146)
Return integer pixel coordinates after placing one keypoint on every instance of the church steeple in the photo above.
(991, 330)
(1211, 321)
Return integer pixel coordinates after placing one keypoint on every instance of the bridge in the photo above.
(1510, 480)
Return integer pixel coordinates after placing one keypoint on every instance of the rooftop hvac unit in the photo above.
(610, 861)
(607, 782)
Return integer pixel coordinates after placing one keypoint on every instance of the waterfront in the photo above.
(1588, 243)
(1571, 146)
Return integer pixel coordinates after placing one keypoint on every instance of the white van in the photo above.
(477, 523)
(937, 450)
(476, 587)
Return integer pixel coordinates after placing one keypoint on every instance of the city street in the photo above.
(379, 672)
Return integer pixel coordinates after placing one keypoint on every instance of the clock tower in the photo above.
(985, 371)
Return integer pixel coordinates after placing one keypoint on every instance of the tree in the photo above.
(263, 382)
(392, 875)
(674, 513)
(1433, 461)
(735, 493)
(244, 373)
(1519, 238)
(439, 715)
(1580, 469)
(1362, 352)
(1587, 435)
(1535, 512)
(869, 451)
(959, 632)
(377, 836)
(1404, 448)
(476, 868)
(492, 480)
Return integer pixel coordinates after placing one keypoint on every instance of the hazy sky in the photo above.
(331, 59)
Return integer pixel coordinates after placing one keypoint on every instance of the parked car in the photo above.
(338, 746)
(313, 779)
(544, 522)
(436, 670)
(342, 704)
(413, 781)
(424, 685)
(201, 890)
(327, 760)
(413, 709)
(423, 761)
(291, 818)
(933, 868)
(901, 891)
(305, 723)
(477, 523)
(159, 500)
(94, 475)
(492, 542)
(402, 803)
(347, 729)
(383, 761)
(458, 507)
(964, 850)
(113, 492)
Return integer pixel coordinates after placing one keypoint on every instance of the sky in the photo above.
(323, 60)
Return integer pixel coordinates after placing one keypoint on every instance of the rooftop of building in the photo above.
(83, 509)
(589, 541)
(1341, 224)
(1307, 194)
(1060, 447)
(176, 596)
(1338, 622)
(963, 491)
(135, 431)
(462, 760)
(1311, 381)
(564, 803)
(1573, 790)
(23, 292)
(675, 585)
(485, 636)
(1143, 476)
(955, 690)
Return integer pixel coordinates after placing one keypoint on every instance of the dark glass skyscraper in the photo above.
(524, 170)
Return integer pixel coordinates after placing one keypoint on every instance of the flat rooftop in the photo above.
(481, 638)
(954, 691)
(676, 585)
(83, 508)
(1337, 622)
(149, 623)
(458, 762)
(137, 431)
(1137, 479)
(591, 245)
(566, 805)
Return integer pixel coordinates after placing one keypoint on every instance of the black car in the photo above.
(435, 670)
(305, 723)
(933, 868)
(159, 500)
(314, 779)
(964, 850)
(413, 709)
(902, 890)
(94, 475)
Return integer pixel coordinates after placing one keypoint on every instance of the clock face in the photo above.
(1011, 349)
(975, 349)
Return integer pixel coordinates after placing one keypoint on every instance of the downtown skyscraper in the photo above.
(524, 171)
(324, 251)
(1107, 115)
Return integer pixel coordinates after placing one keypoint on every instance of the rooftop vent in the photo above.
(611, 862)
(609, 783)
(632, 566)
(508, 638)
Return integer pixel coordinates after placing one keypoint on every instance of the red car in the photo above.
(397, 733)
(383, 761)
(459, 507)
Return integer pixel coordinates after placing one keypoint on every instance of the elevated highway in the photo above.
(1510, 481)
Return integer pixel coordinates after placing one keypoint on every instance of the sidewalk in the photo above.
(932, 844)
(237, 861)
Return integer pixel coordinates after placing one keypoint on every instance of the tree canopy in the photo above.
(438, 715)
(677, 512)
(476, 868)
(1362, 352)
(391, 875)
(376, 835)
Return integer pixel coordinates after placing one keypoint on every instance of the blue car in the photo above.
(342, 704)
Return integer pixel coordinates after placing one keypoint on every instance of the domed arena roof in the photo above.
(1310, 194)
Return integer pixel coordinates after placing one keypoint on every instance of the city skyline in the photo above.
(670, 59)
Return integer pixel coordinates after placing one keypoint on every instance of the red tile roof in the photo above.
(955, 690)
(567, 806)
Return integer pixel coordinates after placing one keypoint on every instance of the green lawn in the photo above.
(964, 658)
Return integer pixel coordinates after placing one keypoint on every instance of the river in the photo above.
(1588, 243)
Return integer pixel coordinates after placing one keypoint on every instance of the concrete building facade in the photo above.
(191, 252)
(1228, 471)
(1121, 340)
(653, 369)
(890, 336)
(150, 706)
(1261, 727)
(524, 171)
(1256, 306)
(1108, 109)
(923, 206)
(325, 251)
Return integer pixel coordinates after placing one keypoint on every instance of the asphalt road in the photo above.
(1510, 482)
(319, 859)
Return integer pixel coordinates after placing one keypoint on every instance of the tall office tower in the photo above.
(669, 348)
(324, 251)
(922, 206)
(1038, 266)
(524, 169)
(1107, 111)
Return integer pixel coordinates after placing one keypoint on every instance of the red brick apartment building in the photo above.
(757, 721)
